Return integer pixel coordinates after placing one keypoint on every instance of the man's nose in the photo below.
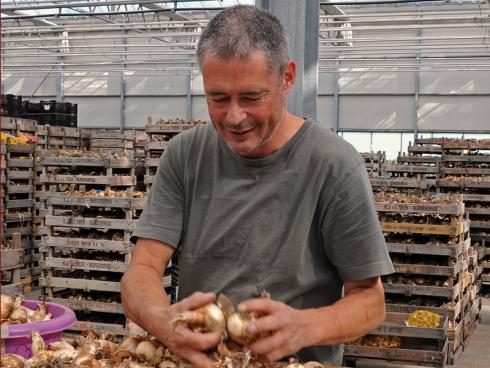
(235, 114)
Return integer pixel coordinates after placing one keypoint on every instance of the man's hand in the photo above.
(182, 341)
(281, 332)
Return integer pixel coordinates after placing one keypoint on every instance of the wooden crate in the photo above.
(416, 350)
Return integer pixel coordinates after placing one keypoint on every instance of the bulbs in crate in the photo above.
(424, 319)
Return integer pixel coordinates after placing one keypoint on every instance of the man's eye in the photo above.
(255, 98)
(219, 100)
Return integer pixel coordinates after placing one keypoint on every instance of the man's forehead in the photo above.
(253, 56)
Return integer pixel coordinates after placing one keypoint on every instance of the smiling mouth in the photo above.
(240, 132)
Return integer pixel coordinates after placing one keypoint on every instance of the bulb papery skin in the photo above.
(209, 318)
(130, 344)
(214, 317)
(237, 327)
(146, 351)
(12, 361)
(7, 305)
(18, 315)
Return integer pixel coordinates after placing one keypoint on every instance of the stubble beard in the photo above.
(246, 148)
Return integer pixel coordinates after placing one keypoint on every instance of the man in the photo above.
(260, 200)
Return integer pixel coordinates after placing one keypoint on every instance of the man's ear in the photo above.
(289, 76)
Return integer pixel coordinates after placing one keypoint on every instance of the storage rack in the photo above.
(465, 168)
(86, 246)
(18, 209)
(428, 238)
(12, 255)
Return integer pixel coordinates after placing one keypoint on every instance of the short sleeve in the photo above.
(352, 236)
(162, 216)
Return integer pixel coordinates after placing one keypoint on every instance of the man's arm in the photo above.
(147, 304)
(142, 289)
(361, 310)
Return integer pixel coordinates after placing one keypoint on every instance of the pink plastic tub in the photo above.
(16, 338)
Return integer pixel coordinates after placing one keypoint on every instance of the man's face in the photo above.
(246, 102)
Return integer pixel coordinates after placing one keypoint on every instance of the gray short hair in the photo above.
(242, 29)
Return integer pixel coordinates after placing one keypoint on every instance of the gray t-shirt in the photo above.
(296, 223)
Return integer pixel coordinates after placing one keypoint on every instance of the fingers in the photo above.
(260, 305)
(196, 300)
(265, 324)
(196, 340)
(268, 344)
(197, 358)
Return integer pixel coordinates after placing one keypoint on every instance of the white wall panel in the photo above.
(97, 112)
(139, 108)
(376, 112)
(458, 82)
(200, 108)
(325, 110)
(89, 85)
(197, 85)
(454, 113)
(364, 81)
(29, 86)
(150, 85)
(326, 83)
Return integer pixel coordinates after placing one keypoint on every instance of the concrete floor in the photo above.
(477, 354)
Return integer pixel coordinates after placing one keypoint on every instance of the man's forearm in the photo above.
(358, 313)
(142, 287)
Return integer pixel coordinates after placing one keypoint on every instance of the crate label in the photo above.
(86, 264)
(88, 243)
(90, 201)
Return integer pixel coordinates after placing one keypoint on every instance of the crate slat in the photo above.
(399, 227)
(86, 222)
(418, 269)
(402, 183)
(13, 289)
(89, 305)
(20, 162)
(411, 169)
(466, 158)
(88, 179)
(426, 208)
(448, 292)
(80, 284)
(81, 243)
(407, 355)
(85, 264)
(12, 258)
(100, 327)
(68, 200)
(443, 250)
